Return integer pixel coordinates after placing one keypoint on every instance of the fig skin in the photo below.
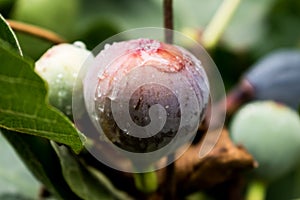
(271, 133)
(277, 77)
(142, 55)
(274, 77)
(59, 67)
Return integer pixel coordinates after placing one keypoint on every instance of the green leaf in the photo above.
(14, 176)
(85, 181)
(23, 106)
(6, 34)
(40, 158)
(9, 196)
(36, 152)
(103, 179)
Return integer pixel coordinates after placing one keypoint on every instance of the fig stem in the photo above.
(168, 25)
(256, 190)
(217, 25)
(36, 31)
(168, 20)
(146, 182)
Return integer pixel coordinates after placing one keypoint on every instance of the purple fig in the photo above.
(275, 77)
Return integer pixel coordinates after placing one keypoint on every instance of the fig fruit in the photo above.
(59, 67)
(144, 93)
(275, 77)
(271, 133)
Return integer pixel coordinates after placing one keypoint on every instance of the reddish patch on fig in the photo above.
(143, 52)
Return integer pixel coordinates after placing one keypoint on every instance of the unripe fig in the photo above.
(144, 93)
(271, 133)
(59, 67)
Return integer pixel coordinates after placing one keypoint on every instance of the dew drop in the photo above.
(172, 69)
(106, 46)
(101, 108)
(79, 44)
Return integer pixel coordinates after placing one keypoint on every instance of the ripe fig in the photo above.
(59, 67)
(275, 77)
(144, 93)
(271, 133)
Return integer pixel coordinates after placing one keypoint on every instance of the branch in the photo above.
(220, 165)
(168, 20)
(36, 31)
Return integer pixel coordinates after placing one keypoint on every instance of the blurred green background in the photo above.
(257, 27)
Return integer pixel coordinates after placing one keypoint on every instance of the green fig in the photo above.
(271, 133)
(59, 67)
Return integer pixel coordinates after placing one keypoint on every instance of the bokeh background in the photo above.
(258, 27)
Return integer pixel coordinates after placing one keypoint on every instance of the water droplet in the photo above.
(106, 46)
(101, 108)
(101, 77)
(79, 44)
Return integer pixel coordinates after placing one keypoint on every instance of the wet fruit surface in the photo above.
(145, 93)
(59, 67)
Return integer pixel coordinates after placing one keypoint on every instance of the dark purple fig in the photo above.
(275, 77)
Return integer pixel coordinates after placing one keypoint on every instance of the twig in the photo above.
(170, 169)
(168, 20)
(219, 22)
(36, 31)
